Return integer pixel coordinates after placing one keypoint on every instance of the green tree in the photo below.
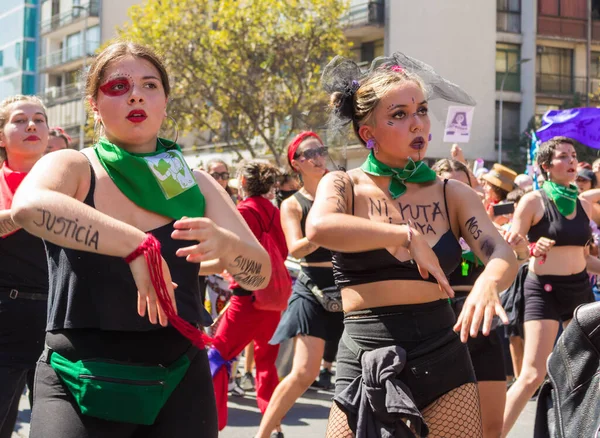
(247, 71)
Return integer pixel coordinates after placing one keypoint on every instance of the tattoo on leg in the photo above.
(473, 227)
(69, 228)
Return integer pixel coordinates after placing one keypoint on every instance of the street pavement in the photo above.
(307, 419)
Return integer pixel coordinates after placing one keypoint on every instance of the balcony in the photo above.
(511, 83)
(365, 20)
(66, 59)
(508, 21)
(72, 15)
(564, 86)
(56, 95)
(565, 27)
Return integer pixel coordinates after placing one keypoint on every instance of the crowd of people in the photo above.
(411, 279)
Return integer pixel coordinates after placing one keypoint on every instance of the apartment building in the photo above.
(70, 33)
(541, 54)
(18, 47)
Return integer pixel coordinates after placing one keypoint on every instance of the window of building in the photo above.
(508, 16)
(563, 8)
(92, 39)
(511, 120)
(30, 22)
(73, 46)
(554, 68)
(29, 56)
(507, 66)
(595, 65)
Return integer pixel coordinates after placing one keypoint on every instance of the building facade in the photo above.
(531, 55)
(70, 32)
(18, 47)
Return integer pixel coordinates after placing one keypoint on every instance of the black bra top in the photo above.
(350, 269)
(320, 254)
(565, 232)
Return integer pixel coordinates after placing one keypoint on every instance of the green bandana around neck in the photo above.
(159, 181)
(413, 172)
(565, 198)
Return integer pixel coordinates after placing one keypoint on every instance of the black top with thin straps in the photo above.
(89, 290)
(565, 232)
(320, 254)
(350, 269)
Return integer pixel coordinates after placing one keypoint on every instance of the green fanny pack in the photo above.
(117, 391)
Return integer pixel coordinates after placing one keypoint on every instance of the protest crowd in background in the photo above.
(430, 297)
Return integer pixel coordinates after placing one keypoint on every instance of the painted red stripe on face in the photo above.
(116, 87)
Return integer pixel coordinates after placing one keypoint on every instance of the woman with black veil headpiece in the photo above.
(394, 229)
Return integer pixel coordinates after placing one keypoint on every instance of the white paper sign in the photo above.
(458, 124)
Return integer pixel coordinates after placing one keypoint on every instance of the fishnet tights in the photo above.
(454, 415)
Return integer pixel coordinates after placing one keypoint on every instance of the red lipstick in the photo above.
(137, 116)
(32, 138)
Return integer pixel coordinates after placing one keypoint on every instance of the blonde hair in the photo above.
(371, 90)
(5, 113)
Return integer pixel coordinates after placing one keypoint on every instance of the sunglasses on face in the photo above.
(220, 175)
(311, 154)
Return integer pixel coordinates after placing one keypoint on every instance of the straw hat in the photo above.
(501, 176)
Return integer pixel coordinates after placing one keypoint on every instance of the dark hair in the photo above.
(115, 52)
(259, 177)
(286, 177)
(515, 195)
(546, 152)
(60, 134)
(501, 194)
(447, 165)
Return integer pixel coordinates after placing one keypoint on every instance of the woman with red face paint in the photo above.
(556, 222)
(312, 318)
(23, 267)
(393, 228)
(126, 224)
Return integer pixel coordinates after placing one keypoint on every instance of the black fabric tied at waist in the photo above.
(379, 400)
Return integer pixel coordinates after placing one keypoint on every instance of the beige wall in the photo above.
(114, 14)
(458, 39)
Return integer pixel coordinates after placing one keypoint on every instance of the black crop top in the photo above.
(565, 232)
(89, 290)
(350, 269)
(320, 254)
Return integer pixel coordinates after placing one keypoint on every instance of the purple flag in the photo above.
(581, 124)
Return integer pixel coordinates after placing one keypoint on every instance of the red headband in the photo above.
(293, 147)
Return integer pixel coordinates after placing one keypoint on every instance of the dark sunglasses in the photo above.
(220, 175)
(311, 154)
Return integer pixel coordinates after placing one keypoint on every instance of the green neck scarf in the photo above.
(414, 172)
(159, 181)
(565, 198)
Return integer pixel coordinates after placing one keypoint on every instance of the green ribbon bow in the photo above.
(413, 172)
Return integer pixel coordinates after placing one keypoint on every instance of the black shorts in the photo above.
(486, 352)
(555, 296)
(437, 361)
(305, 315)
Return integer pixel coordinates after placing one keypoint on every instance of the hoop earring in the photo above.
(176, 134)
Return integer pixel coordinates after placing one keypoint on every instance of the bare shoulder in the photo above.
(291, 207)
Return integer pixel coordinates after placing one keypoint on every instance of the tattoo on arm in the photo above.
(487, 247)
(69, 228)
(339, 186)
(249, 272)
(473, 227)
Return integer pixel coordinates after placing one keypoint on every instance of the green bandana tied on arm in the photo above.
(565, 198)
(159, 181)
(414, 172)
